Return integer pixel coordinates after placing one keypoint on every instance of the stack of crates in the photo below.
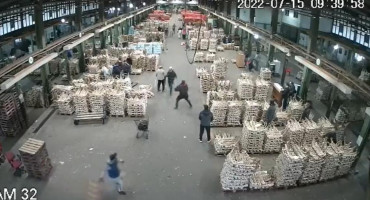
(11, 119)
(35, 158)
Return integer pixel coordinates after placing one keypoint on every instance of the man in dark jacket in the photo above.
(116, 71)
(126, 67)
(271, 113)
(205, 117)
(183, 93)
(285, 96)
(171, 75)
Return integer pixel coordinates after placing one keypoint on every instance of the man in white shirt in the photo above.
(161, 75)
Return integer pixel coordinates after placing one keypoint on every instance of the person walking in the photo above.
(205, 117)
(126, 67)
(183, 93)
(171, 75)
(271, 113)
(173, 28)
(183, 33)
(113, 173)
(161, 76)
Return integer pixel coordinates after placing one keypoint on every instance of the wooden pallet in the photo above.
(90, 118)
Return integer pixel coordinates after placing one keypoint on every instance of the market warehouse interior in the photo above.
(184, 99)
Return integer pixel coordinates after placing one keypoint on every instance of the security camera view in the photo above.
(184, 99)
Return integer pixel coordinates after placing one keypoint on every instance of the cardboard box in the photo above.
(240, 59)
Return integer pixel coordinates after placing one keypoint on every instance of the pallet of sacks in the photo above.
(237, 170)
(136, 107)
(116, 102)
(223, 85)
(122, 84)
(96, 101)
(262, 90)
(199, 57)
(326, 126)
(65, 104)
(273, 140)
(313, 165)
(253, 134)
(245, 89)
(58, 90)
(234, 113)
(294, 132)
(282, 118)
(204, 44)
(219, 110)
(34, 97)
(252, 110)
(207, 82)
(212, 44)
(200, 70)
(80, 100)
(224, 143)
(348, 156)
(219, 68)
(265, 74)
(295, 109)
(261, 180)
(152, 62)
(289, 166)
(312, 131)
(210, 57)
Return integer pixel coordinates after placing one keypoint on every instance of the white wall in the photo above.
(325, 25)
(263, 16)
(290, 19)
(244, 15)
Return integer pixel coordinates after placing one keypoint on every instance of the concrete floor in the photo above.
(171, 164)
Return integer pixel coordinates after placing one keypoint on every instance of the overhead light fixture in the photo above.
(113, 8)
(236, 26)
(136, 7)
(359, 57)
(256, 36)
(283, 10)
(63, 20)
(131, 5)
(118, 9)
(144, 3)
(336, 47)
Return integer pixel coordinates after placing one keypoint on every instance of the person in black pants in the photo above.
(171, 75)
(161, 77)
(205, 117)
(183, 93)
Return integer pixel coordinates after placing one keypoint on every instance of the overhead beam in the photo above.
(324, 74)
(78, 41)
(20, 75)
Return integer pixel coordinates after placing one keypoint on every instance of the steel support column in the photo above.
(333, 96)
(252, 13)
(40, 40)
(78, 22)
(283, 64)
(101, 11)
(274, 23)
(364, 135)
(307, 73)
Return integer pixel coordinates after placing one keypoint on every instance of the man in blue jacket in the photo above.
(205, 117)
(114, 173)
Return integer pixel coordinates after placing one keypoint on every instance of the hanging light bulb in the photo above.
(131, 5)
(336, 47)
(256, 36)
(144, 3)
(63, 20)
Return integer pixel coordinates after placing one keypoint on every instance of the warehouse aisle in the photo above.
(172, 164)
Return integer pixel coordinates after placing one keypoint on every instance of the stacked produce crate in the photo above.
(210, 57)
(273, 140)
(237, 171)
(253, 137)
(219, 110)
(295, 109)
(252, 110)
(265, 74)
(80, 98)
(212, 44)
(35, 158)
(199, 57)
(204, 44)
(331, 162)
(223, 85)
(116, 102)
(245, 89)
(96, 101)
(193, 43)
(218, 69)
(289, 166)
(153, 61)
(313, 164)
(234, 113)
(326, 126)
(59, 90)
(224, 143)
(65, 104)
(200, 70)
(262, 90)
(136, 107)
(206, 82)
(261, 180)
(282, 117)
(312, 131)
(348, 156)
(34, 97)
(294, 132)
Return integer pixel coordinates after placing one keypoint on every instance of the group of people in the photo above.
(288, 94)
(271, 112)
(119, 70)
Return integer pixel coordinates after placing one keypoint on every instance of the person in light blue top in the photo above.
(113, 173)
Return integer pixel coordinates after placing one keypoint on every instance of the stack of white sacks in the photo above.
(326, 126)
(234, 113)
(313, 164)
(261, 180)
(193, 43)
(210, 57)
(116, 102)
(289, 166)
(237, 171)
(331, 162)
(80, 100)
(65, 104)
(273, 140)
(262, 90)
(253, 137)
(294, 132)
(245, 89)
(252, 110)
(206, 82)
(265, 74)
(295, 109)
(312, 131)
(199, 57)
(204, 44)
(212, 44)
(218, 69)
(219, 110)
(96, 101)
(136, 106)
(224, 143)
(223, 85)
